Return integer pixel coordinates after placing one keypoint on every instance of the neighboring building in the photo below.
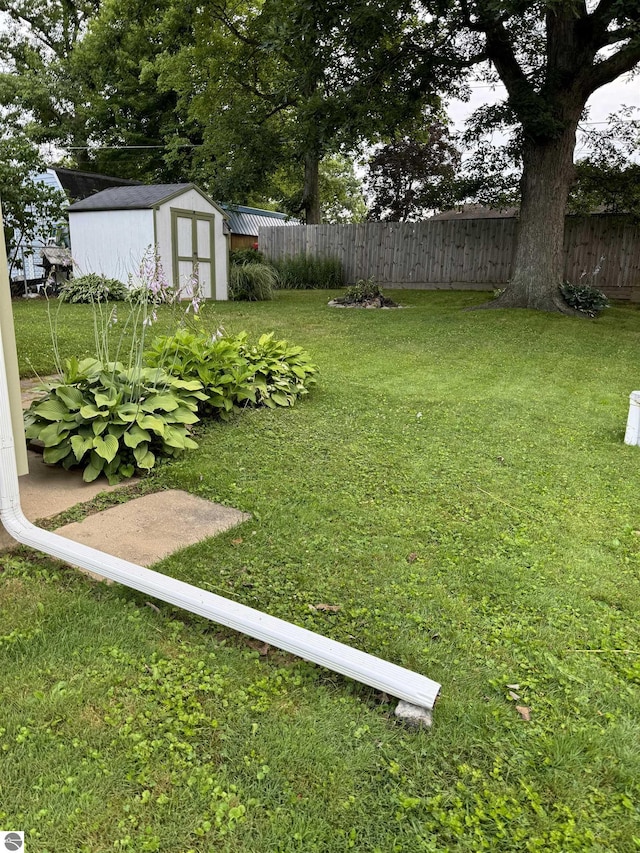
(112, 230)
(245, 221)
(76, 185)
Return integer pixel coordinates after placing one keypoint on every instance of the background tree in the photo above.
(30, 208)
(551, 56)
(414, 174)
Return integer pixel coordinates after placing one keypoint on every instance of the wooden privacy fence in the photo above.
(463, 254)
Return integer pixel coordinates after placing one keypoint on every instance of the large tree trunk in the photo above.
(311, 189)
(539, 258)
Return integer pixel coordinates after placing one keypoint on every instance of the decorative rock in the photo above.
(414, 715)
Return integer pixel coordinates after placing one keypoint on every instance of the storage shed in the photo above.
(112, 230)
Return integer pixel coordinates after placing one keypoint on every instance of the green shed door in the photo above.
(192, 237)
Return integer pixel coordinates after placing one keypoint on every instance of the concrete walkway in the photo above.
(142, 530)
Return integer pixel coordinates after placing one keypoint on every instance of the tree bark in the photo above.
(311, 189)
(539, 257)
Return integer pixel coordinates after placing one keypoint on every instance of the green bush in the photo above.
(363, 290)
(303, 273)
(234, 372)
(253, 282)
(111, 420)
(246, 256)
(93, 288)
(582, 297)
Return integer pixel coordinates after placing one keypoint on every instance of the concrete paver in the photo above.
(147, 529)
(48, 490)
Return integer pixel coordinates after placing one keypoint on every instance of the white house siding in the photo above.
(192, 201)
(110, 242)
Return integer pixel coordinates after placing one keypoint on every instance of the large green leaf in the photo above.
(90, 473)
(53, 455)
(81, 445)
(91, 411)
(72, 397)
(135, 435)
(99, 426)
(144, 460)
(51, 409)
(53, 434)
(174, 437)
(183, 415)
(151, 422)
(106, 447)
(160, 402)
(128, 411)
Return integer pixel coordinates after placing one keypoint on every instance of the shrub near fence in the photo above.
(465, 254)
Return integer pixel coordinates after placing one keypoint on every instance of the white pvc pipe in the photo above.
(632, 433)
(380, 674)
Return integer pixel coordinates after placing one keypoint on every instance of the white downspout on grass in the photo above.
(418, 690)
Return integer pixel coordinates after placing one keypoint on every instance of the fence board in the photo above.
(468, 254)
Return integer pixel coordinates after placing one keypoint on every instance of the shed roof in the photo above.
(132, 198)
(57, 256)
(247, 220)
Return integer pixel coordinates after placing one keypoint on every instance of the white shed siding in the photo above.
(110, 242)
(193, 201)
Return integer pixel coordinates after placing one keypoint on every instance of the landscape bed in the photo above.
(455, 496)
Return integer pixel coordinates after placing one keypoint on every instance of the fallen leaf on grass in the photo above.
(524, 712)
(514, 696)
(237, 541)
(328, 608)
(412, 557)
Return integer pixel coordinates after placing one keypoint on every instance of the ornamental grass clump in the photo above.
(252, 282)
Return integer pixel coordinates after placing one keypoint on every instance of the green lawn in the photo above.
(458, 484)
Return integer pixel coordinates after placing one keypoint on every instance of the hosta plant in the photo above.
(93, 288)
(234, 372)
(112, 420)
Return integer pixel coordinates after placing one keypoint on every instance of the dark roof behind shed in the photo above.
(130, 198)
(78, 184)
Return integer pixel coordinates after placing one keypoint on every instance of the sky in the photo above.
(608, 99)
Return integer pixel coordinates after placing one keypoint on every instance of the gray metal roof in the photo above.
(130, 198)
(247, 220)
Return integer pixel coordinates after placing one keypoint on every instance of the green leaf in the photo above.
(90, 411)
(105, 401)
(162, 402)
(80, 445)
(135, 435)
(72, 397)
(151, 422)
(106, 447)
(51, 409)
(183, 415)
(174, 437)
(127, 470)
(146, 461)
(53, 434)
(52, 455)
(99, 426)
(90, 473)
(128, 411)
(280, 399)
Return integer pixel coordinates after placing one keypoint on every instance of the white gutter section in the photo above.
(415, 689)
